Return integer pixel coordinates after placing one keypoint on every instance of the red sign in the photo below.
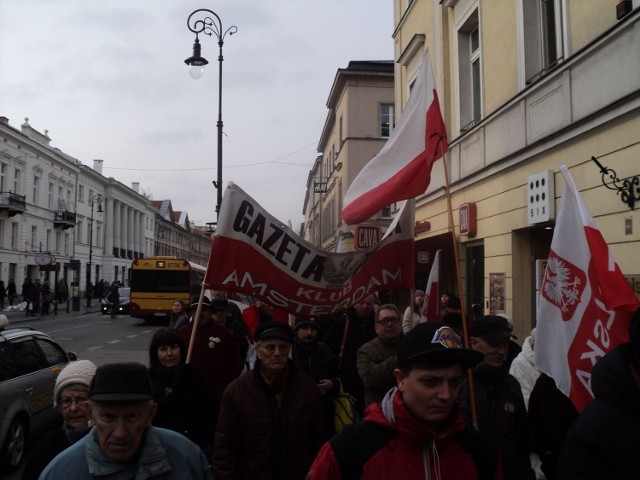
(367, 236)
(468, 219)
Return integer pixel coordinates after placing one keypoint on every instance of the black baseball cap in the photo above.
(435, 340)
(491, 328)
(121, 382)
(274, 329)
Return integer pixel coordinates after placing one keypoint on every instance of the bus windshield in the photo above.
(160, 281)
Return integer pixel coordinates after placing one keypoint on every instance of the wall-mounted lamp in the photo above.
(628, 189)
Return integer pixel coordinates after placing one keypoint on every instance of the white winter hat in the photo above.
(80, 372)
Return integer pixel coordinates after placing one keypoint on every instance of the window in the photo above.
(66, 244)
(58, 246)
(90, 196)
(2, 224)
(34, 237)
(79, 228)
(470, 72)
(50, 197)
(81, 193)
(340, 131)
(387, 119)
(14, 236)
(542, 29)
(36, 184)
(97, 241)
(3, 173)
(48, 240)
(17, 180)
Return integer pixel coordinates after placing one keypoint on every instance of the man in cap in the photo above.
(319, 362)
(271, 423)
(70, 397)
(501, 412)
(377, 358)
(214, 352)
(123, 443)
(417, 430)
(222, 316)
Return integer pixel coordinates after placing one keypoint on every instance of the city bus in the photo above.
(157, 281)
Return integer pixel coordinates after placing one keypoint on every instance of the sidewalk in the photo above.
(15, 316)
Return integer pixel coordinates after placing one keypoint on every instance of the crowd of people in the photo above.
(246, 395)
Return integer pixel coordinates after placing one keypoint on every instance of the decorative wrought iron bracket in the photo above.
(628, 189)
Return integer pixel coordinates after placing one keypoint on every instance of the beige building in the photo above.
(360, 118)
(525, 87)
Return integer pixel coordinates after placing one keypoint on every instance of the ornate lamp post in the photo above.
(96, 198)
(210, 24)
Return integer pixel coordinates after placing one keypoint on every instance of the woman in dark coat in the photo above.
(184, 404)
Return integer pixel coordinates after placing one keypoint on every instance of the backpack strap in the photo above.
(356, 444)
(483, 454)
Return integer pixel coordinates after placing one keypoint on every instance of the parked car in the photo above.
(30, 362)
(124, 295)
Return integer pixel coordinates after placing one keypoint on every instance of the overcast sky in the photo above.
(107, 79)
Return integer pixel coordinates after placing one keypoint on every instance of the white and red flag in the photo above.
(402, 168)
(431, 306)
(585, 303)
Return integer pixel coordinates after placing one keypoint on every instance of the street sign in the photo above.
(367, 236)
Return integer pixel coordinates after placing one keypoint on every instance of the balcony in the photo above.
(64, 219)
(12, 203)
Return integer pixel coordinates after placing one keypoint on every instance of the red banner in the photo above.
(255, 253)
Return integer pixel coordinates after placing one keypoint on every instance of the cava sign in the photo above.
(367, 236)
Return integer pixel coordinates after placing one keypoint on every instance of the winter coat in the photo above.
(46, 448)
(604, 440)
(413, 449)
(502, 418)
(376, 362)
(184, 404)
(257, 439)
(410, 319)
(165, 455)
(319, 362)
(524, 370)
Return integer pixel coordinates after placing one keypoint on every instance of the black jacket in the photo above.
(502, 418)
(604, 441)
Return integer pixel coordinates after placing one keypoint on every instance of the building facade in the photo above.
(525, 87)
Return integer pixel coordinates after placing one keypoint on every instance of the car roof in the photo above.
(17, 332)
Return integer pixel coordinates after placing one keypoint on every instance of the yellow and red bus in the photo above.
(157, 281)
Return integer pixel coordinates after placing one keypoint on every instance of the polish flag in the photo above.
(402, 168)
(585, 303)
(430, 307)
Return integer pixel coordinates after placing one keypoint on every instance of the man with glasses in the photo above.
(271, 423)
(70, 396)
(377, 358)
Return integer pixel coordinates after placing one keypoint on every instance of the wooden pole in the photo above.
(465, 332)
(196, 320)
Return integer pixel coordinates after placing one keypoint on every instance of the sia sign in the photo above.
(367, 236)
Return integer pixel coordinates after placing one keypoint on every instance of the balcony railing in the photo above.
(12, 203)
(64, 219)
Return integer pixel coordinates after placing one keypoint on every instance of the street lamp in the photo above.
(96, 198)
(210, 26)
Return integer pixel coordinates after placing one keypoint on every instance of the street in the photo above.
(92, 336)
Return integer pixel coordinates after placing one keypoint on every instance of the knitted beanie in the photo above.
(80, 372)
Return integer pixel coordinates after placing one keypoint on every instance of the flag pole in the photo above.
(196, 320)
(456, 257)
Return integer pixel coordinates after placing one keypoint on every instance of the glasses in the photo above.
(388, 321)
(79, 401)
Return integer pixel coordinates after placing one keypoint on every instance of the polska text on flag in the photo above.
(255, 253)
(585, 302)
(402, 168)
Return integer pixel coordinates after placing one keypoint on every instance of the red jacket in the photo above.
(409, 450)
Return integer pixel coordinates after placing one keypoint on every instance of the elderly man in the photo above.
(417, 431)
(270, 424)
(123, 444)
(70, 396)
(377, 358)
(502, 416)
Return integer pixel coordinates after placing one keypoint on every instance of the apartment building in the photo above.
(525, 86)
